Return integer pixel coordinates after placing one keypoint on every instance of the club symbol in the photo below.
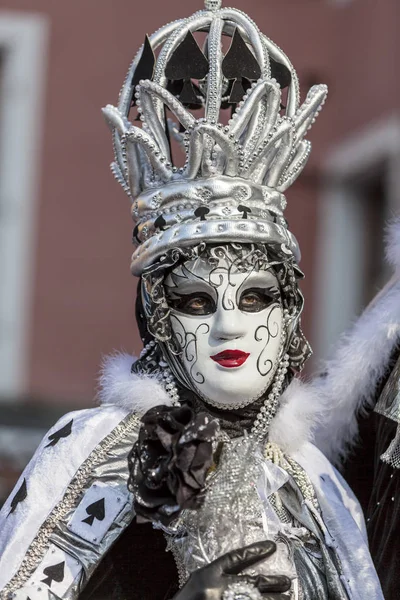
(201, 212)
(244, 209)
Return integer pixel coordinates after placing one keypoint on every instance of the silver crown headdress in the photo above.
(232, 183)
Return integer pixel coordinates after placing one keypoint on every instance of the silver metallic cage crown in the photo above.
(232, 183)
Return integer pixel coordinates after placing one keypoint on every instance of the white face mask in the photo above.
(229, 325)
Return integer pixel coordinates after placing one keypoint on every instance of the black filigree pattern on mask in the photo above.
(187, 340)
(265, 333)
(155, 305)
(241, 258)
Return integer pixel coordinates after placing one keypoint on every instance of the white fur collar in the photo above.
(292, 426)
(118, 386)
(325, 411)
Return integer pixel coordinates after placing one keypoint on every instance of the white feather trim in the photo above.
(393, 244)
(360, 360)
(297, 417)
(118, 386)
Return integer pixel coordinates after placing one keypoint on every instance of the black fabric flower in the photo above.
(168, 464)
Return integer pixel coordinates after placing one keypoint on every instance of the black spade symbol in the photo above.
(239, 64)
(54, 573)
(245, 84)
(145, 66)
(160, 223)
(95, 511)
(245, 210)
(188, 94)
(186, 63)
(280, 73)
(196, 96)
(61, 433)
(201, 212)
(19, 496)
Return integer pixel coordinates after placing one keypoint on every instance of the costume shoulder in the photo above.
(43, 520)
(72, 501)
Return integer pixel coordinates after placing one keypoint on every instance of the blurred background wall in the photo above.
(66, 294)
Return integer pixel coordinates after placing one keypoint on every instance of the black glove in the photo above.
(210, 582)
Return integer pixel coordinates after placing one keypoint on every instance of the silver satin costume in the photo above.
(72, 502)
(62, 480)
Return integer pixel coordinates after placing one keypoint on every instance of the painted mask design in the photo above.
(227, 316)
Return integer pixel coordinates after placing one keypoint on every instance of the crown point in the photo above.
(212, 4)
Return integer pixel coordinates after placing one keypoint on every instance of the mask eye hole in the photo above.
(255, 299)
(194, 304)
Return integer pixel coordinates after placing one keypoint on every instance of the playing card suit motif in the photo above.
(160, 223)
(57, 571)
(186, 63)
(281, 73)
(61, 433)
(201, 212)
(96, 510)
(20, 496)
(54, 573)
(245, 210)
(145, 67)
(240, 66)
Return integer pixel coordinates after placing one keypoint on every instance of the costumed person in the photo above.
(202, 436)
(360, 393)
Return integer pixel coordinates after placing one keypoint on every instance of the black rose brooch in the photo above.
(169, 463)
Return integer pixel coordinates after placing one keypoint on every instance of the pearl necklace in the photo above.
(270, 405)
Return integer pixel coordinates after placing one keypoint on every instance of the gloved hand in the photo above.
(210, 582)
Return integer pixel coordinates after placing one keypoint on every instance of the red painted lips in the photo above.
(231, 358)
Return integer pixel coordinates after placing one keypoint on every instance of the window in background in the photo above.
(373, 189)
(361, 194)
(23, 41)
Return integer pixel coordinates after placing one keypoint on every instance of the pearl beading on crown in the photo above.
(212, 4)
(232, 183)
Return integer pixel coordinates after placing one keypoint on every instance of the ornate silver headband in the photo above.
(232, 183)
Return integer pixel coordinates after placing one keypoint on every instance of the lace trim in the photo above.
(41, 541)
